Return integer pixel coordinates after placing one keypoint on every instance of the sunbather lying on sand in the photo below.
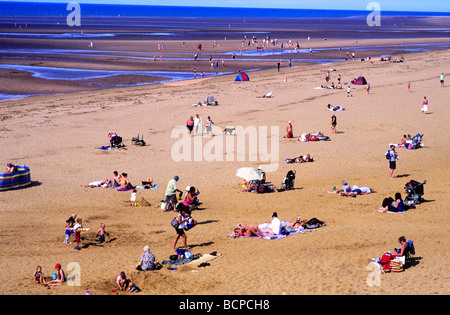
(334, 108)
(300, 159)
(99, 183)
(358, 191)
(248, 230)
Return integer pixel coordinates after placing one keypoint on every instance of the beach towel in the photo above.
(125, 189)
(142, 187)
(108, 148)
(203, 259)
(273, 237)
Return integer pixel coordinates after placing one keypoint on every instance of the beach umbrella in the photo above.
(249, 173)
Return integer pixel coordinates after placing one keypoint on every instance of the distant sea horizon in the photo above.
(24, 8)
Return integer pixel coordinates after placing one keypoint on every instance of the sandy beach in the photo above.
(58, 137)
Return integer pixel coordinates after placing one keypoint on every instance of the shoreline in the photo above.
(124, 56)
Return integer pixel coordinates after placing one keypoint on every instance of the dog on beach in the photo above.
(229, 130)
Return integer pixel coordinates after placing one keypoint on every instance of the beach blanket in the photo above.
(109, 148)
(274, 237)
(142, 187)
(125, 189)
(203, 259)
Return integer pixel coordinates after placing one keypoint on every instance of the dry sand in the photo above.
(57, 137)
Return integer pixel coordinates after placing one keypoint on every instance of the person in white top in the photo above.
(197, 123)
(275, 225)
(272, 228)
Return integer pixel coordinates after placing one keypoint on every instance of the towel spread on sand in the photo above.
(273, 237)
(142, 187)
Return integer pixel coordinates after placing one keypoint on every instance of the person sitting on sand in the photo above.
(403, 142)
(38, 276)
(60, 276)
(147, 261)
(116, 180)
(10, 168)
(125, 284)
(124, 182)
(395, 206)
(248, 230)
(273, 228)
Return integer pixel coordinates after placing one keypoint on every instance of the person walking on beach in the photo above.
(190, 124)
(392, 160)
(197, 123)
(289, 132)
(442, 79)
(368, 88)
(349, 91)
(209, 124)
(182, 219)
(424, 105)
(333, 123)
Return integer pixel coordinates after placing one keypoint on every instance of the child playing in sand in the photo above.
(59, 276)
(38, 276)
(133, 197)
(101, 233)
(125, 284)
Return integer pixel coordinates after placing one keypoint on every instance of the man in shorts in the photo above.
(392, 160)
(171, 191)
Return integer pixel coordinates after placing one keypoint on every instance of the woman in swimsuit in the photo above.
(190, 124)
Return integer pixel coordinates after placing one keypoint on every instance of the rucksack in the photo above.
(388, 155)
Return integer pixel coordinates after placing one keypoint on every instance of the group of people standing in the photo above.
(195, 125)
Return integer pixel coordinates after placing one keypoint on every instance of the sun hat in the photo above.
(146, 249)
(188, 188)
(57, 266)
(176, 177)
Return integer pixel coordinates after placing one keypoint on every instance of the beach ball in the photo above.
(54, 276)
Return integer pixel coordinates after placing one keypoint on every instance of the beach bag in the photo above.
(175, 223)
(314, 223)
(396, 266)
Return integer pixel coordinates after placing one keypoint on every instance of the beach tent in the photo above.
(242, 76)
(360, 81)
(19, 179)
